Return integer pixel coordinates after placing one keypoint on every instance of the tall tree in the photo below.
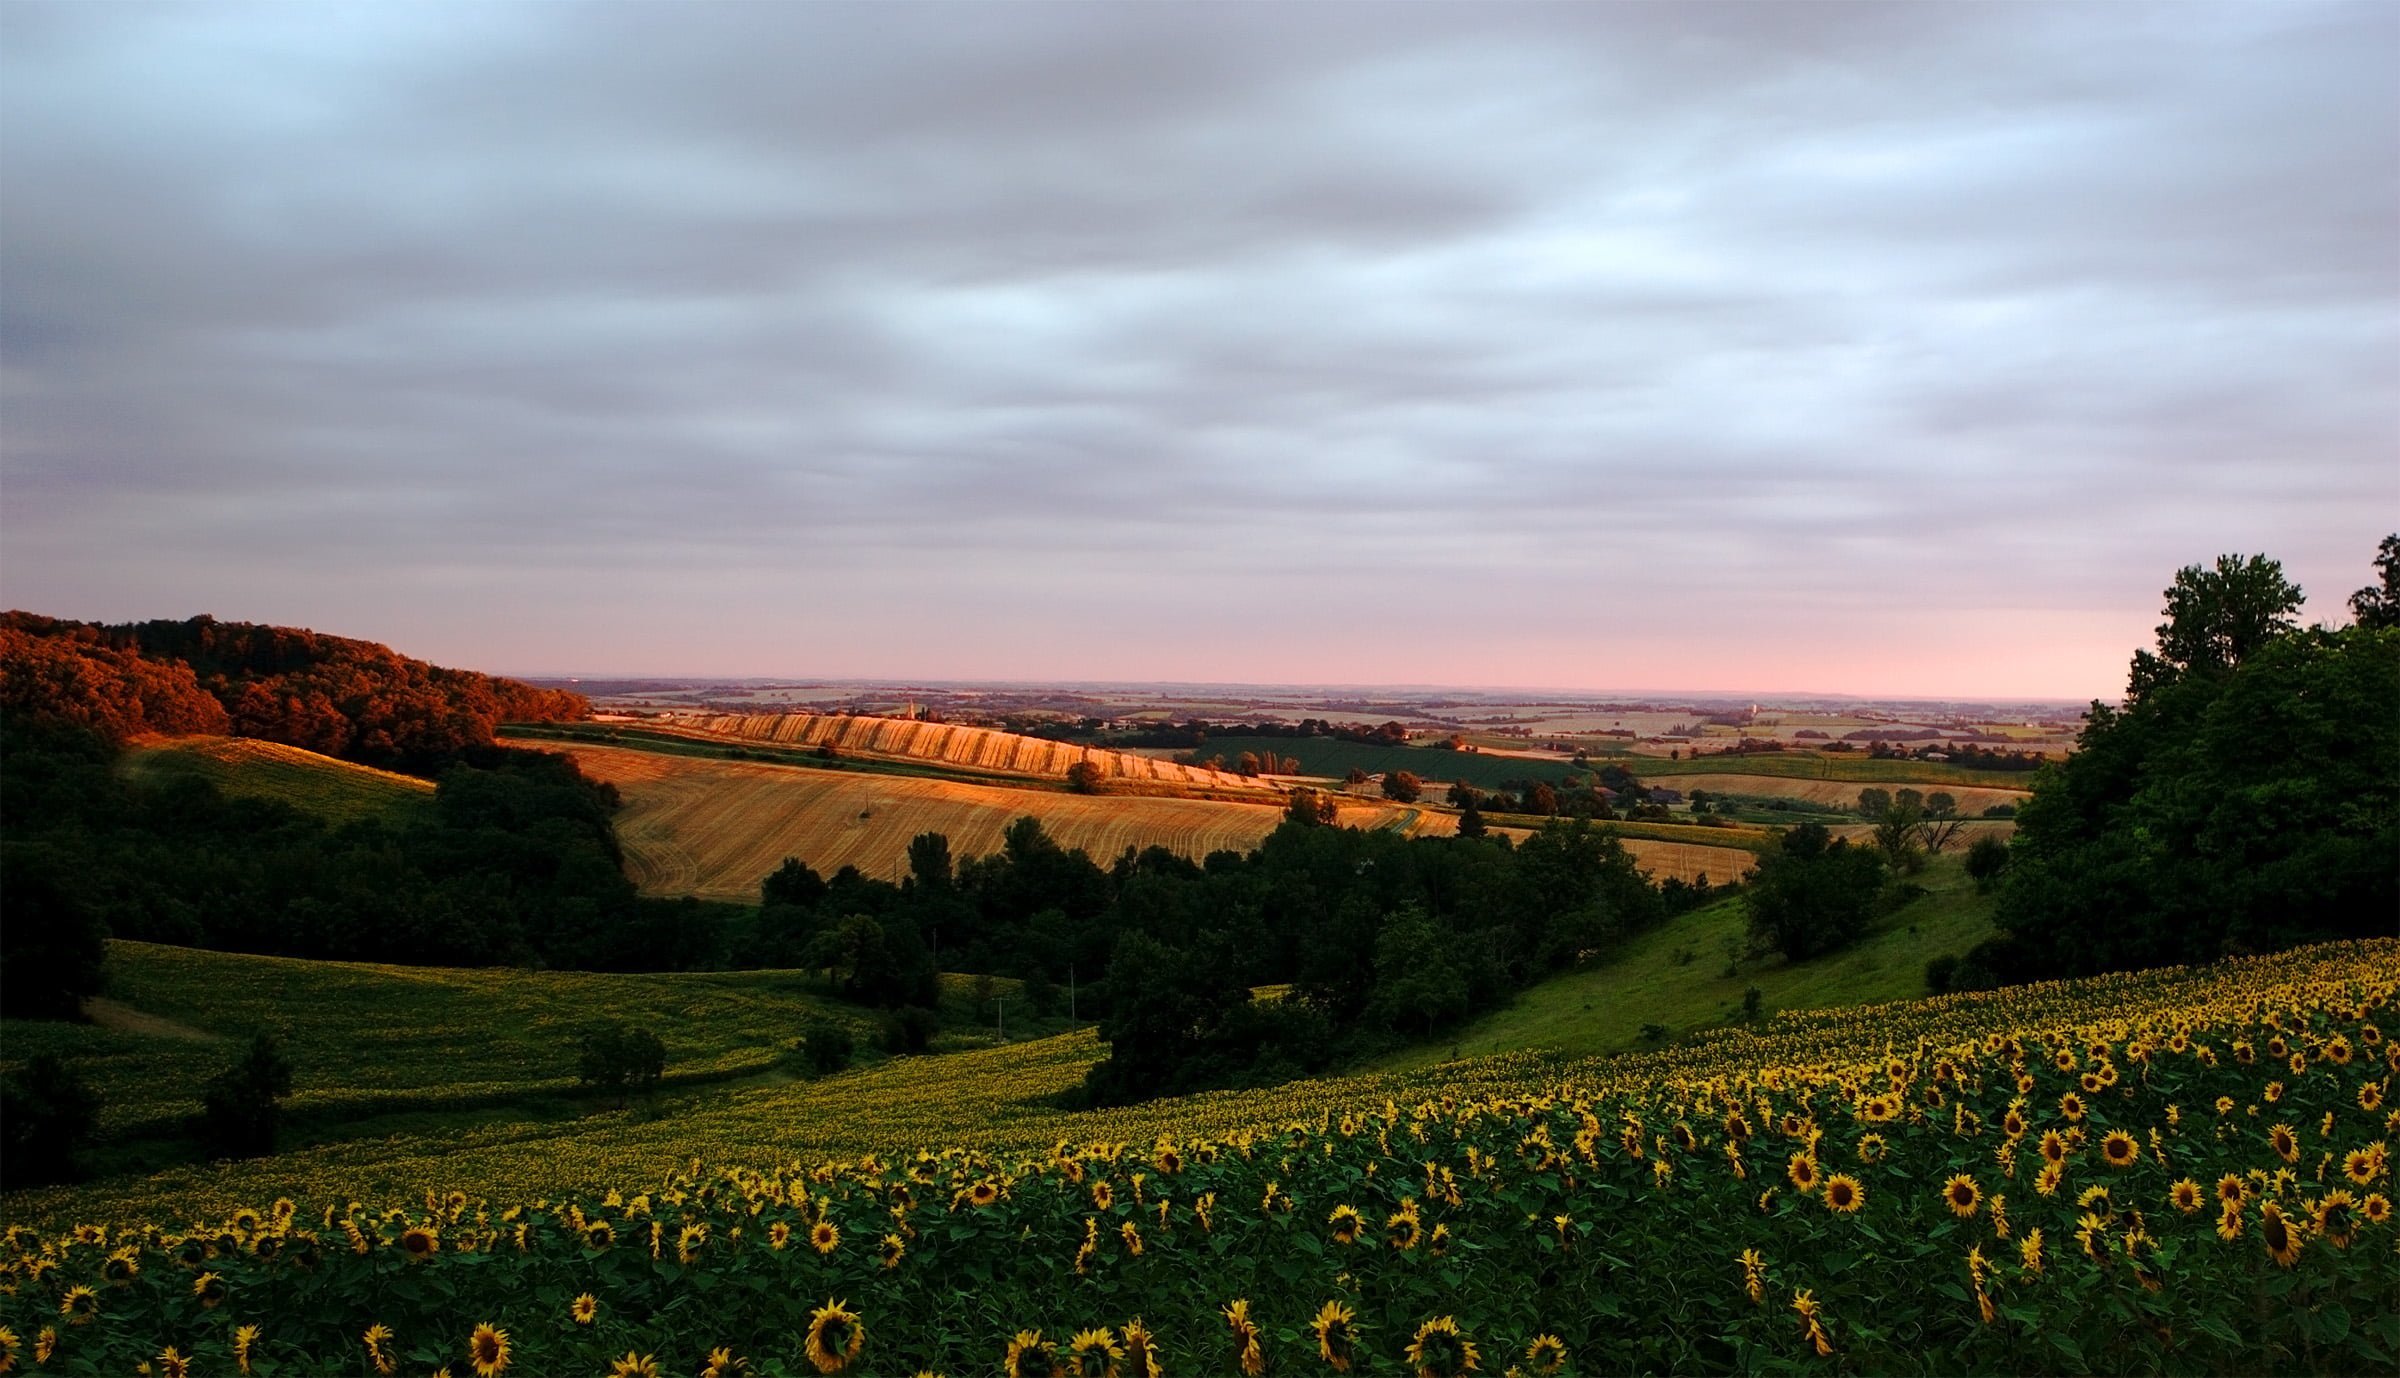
(2216, 619)
(2378, 604)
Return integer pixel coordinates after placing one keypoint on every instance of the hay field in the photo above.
(338, 791)
(693, 826)
(974, 748)
(1844, 794)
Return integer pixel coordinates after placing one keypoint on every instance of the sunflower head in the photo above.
(1092, 1354)
(1962, 1195)
(585, 1309)
(1141, 1351)
(2282, 1241)
(1843, 1194)
(1028, 1356)
(210, 1289)
(1441, 1350)
(487, 1350)
(836, 1335)
(824, 1237)
(1546, 1354)
(1346, 1223)
(2186, 1196)
(419, 1242)
(1337, 1335)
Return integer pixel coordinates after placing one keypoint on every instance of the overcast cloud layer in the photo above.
(1882, 349)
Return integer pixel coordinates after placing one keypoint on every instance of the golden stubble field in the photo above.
(693, 826)
(716, 828)
(974, 748)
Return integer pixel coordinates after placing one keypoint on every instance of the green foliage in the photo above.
(47, 1114)
(2247, 797)
(1987, 860)
(1403, 786)
(2377, 606)
(1812, 895)
(241, 1106)
(53, 948)
(2216, 619)
(622, 1060)
(827, 1045)
(1417, 982)
(1310, 808)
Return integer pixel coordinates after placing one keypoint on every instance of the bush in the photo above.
(46, 1113)
(52, 949)
(624, 1060)
(1083, 777)
(910, 1030)
(241, 1106)
(1986, 859)
(825, 1046)
(1940, 972)
(1402, 786)
(1813, 894)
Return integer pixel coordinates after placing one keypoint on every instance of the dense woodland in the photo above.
(353, 699)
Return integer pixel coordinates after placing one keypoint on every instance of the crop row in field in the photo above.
(717, 828)
(335, 790)
(2180, 1171)
(975, 748)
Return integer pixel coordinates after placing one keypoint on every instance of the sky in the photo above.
(1875, 349)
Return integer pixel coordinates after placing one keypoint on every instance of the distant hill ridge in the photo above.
(335, 695)
(979, 748)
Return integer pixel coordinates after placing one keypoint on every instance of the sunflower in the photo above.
(1438, 1243)
(1403, 1228)
(2029, 1252)
(2071, 1106)
(585, 1309)
(2120, 1149)
(984, 1193)
(2285, 1143)
(2336, 1223)
(1337, 1340)
(487, 1350)
(894, 1249)
(2230, 1190)
(2370, 1096)
(1166, 1159)
(2376, 1209)
(2360, 1166)
(823, 1237)
(1843, 1194)
(172, 1364)
(245, 1342)
(1812, 1329)
(2229, 1222)
(835, 1336)
(1141, 1351)
(633, 1366)
(599, 1235)
(1246, 1349)
(1131, 1234)
(2186, 1196)
(419, 1242)
(1803, 1171)
(2282, 1241)
(1346, 1224)
(1441, 1350)
(1962, 1195)
(724, 1363)
(1754, 1275)
(1102, 1196)
(1092, 1354)
(1546, 1354)
(689, 1241)
(79, 1305)
(378, 1339)
(779, 1234)
(2054, 1146)
(8, 1350)
(1028, 1356)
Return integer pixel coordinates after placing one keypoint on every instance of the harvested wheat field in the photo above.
(975, 748)
(693, 826)
(1843, 793)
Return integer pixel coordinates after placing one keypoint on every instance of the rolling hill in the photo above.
(983, 749)
(335, 790)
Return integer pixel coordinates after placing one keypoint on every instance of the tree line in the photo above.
(334, 695)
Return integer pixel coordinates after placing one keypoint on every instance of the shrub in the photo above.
(46, 1113)
(242, 1106)
(825, 1046)
(625, 1060)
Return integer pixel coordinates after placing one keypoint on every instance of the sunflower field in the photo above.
(2169, 1172)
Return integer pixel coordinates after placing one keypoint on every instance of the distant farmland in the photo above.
(1844, 793)
(1804, 765)
(973, 748)
(1334, 757)
(716, 828)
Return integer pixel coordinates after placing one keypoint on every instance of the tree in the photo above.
(795, 883)
(1896, 833)
(2216, 619)
(1470, 821)
(2377, 605)
(1812, 894)
(1402, 786)
(1987, 858)
(1417, 979)
(1939, 828)
(625, 1060)
(929, 863)
(1872, 803)
(826, 1045)
(53, 949)
(1309, 808)
(1083, 777)
(2239, 808)
(47, 1112)
(241, 1107)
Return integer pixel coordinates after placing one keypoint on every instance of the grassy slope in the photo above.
(339, 791)
(1602, 1009)
(368, 1040)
